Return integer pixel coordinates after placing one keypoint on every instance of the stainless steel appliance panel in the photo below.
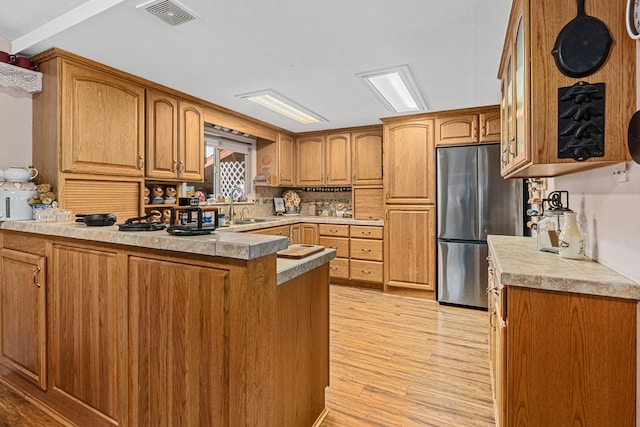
(499, 199)
(457, 185)
(462, 273)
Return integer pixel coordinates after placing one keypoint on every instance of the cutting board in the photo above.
(299, 251)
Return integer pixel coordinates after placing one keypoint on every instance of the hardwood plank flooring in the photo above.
(395, 361)
(398, 361)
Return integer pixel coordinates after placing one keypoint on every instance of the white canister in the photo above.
(14, 205)
(570, 241)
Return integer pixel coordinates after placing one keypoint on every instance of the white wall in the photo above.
(609, 215)
(15, 128)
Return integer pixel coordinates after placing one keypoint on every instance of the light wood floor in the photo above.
(394, 362)
(404, 362)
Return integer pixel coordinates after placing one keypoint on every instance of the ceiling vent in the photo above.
(170, 11)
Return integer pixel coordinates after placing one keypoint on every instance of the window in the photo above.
(227, 163)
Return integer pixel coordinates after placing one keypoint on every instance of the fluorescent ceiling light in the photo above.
(280, 104)
(395, 88)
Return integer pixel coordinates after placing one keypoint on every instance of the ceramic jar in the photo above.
(570, 241)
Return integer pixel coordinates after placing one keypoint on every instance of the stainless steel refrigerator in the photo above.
(473, 201)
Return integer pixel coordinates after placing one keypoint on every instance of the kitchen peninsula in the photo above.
(103, 327)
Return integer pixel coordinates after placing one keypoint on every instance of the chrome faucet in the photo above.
(242, 218)
(234, 193)
(232, 214)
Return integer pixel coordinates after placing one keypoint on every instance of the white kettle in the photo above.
(19, 174)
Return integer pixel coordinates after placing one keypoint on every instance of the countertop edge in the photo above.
(518, 262)
(289, 269)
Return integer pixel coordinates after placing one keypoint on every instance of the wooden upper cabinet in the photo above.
(532, 85)
(23, 315)
(286, 159)
(190, 141)
(102, 122)
(480, 125)
(409, 161)
(490, 126)
(162, 135)
(175, 138)
(366, 157)
(457, 129)
(310, 159)
(338, 159)
(276, 160)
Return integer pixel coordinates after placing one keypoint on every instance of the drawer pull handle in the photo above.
(366, 250)
(140, 162)
(333, 247)
(334, 268)
(492, 316)
(278, 233)
(366, 271)
(333, 230)
(35, 277)
(174, 166)
(366, 233)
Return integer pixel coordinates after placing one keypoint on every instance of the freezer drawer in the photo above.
(462, 273)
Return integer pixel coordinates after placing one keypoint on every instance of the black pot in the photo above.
(96, 220)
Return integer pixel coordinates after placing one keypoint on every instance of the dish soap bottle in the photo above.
(570, 241)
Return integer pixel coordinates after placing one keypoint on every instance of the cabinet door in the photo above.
(490, 126)
(409, 162)
(409, 247)
(87, 351)
(22, 310)
(177, 343)
(294, 234)
(520, 149)
(368, 203)
(190, 142)
(102, 123)
(310, 160)
(162, 136)
(457, 130)
(338, 159)
(286, 159)
(309, 234)
(366, 157)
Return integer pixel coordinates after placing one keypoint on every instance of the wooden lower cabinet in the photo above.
(87, 346)
(138, 337)
(339, 268)
(562, 359)
(177, 329)
(309, 234)
(410, 250)
(23, 287)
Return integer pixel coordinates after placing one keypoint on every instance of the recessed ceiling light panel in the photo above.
(283, 105)
(395, 88)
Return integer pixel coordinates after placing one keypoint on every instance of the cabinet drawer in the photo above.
(366, 249)
(282, 230)
(366, 271)
(333, 230)
(341, 245)
(339, 267)
(366, 232)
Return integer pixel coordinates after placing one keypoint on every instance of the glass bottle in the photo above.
(570, 241)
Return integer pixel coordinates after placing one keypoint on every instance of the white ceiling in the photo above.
(307, 50)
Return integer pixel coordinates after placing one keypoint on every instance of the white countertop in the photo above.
(518, 262)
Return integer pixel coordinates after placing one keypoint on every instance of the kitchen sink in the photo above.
(251, 221)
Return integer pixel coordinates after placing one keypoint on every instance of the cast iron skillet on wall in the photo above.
(582, 46)
(633, 137)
